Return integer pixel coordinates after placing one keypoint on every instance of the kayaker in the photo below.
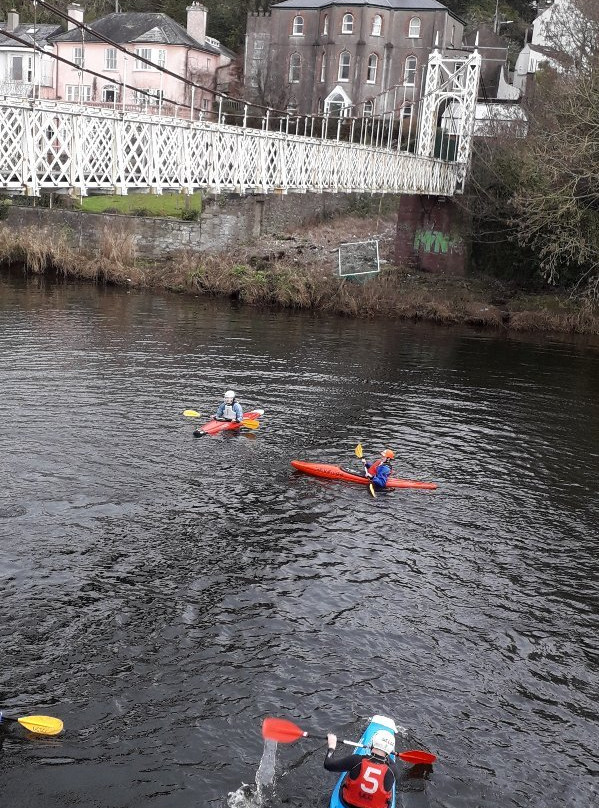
(230, 409)
(380, 471)
(370, 778)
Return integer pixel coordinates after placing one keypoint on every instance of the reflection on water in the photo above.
(162, 594)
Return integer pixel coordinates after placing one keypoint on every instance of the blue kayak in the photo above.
(377, 722)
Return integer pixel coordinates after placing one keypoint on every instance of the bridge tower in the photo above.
(432, 229)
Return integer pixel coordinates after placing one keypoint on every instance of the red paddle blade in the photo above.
(278, 729)
(417, 756)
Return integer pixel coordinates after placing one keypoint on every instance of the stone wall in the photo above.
(225, 222)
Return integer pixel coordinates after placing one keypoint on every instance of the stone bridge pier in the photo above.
(432, 234)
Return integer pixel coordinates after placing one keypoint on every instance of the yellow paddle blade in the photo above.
(371, 489)
(191, 414)
(41, 724)
(359, 451)
(251, 424)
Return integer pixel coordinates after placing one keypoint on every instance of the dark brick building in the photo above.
(313, 56)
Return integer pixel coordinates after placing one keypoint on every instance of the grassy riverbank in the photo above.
(298, 271)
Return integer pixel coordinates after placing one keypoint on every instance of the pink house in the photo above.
(149, 36)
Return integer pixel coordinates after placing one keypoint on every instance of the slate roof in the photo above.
(25, 31)
(137, 26)
(399, 5)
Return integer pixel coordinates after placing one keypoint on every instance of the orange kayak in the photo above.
(330, 472)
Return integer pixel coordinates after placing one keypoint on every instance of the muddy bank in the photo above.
(299, 271)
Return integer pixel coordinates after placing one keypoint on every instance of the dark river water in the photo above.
(162, 594)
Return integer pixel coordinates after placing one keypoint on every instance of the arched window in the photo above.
(373, 63)
(110, 94)
(323, 66)
(409, 75)
(298, 26)
(368, 109)
(344, 63)
(451, 41)
(347, 26)
(325, 25)
(377, 25)
(295, 68)
(414, 29)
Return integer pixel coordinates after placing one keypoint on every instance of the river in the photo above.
(161, 594)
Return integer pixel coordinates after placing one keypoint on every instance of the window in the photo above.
(323, 67)
(414, 29)
(377, 25)
(21, 68)
(344, 62)
(373, 63)
(78, 56)
(368, 108)
(347, 26)
(110, 59)
(292, 107)
(409, 75)
(148, 96)
(451, 41)
(406, 111)
(145, 53)
(338, 105)
(205, 103)
(258, 49)
(110, 94)
(298, 26)
(295, 68)
(325, 25)
(73, 93)
(162, 59)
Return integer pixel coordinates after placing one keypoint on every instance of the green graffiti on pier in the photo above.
(434, 241)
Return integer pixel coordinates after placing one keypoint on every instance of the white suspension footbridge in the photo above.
(53, 146)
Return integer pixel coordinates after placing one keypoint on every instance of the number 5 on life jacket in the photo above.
(367, 790)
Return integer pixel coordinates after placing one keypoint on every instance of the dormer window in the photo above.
(347, 26)
(377, 25)
(414, 29)
(298, 26)
(325, 25)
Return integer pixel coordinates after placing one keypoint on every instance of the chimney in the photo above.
(196, 21)
(12, 20)
(76, 11)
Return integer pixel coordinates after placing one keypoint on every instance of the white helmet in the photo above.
(383, 740)
(229, 397)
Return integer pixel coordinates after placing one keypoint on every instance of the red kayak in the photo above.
(213, 427)
(329, 472)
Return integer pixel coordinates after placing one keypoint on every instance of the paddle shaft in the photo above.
(325, 738)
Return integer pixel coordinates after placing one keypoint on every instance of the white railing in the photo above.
(55, 145)
(49, 145)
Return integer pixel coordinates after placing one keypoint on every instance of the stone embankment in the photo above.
(275, 253)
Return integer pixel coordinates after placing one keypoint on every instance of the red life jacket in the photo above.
(368, 789)
(372, 469)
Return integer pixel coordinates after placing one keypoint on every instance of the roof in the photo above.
(26, 31)
(137, 26)
(408, 5)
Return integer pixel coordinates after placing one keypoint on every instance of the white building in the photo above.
(558, 39)
(24, 71)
